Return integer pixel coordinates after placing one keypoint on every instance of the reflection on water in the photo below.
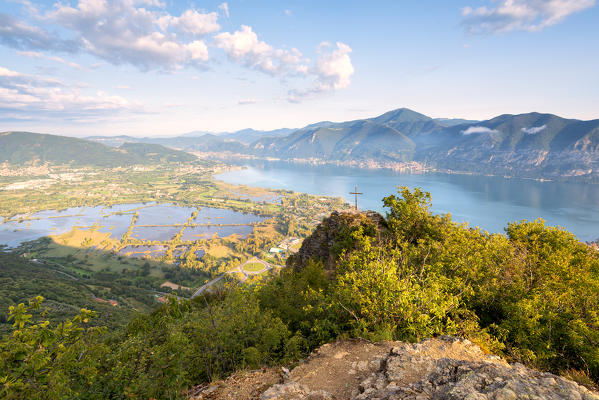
(116, 220)
(162, 233)
(164, 214)
(208, 215)
(205, 232)
(487, 202)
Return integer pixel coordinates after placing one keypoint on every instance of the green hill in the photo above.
(26, 148)
(153, 153)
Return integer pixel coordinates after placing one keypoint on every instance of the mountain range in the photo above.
(531, 145)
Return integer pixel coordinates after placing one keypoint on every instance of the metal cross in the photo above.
(356, 193)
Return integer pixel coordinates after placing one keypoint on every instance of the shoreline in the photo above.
(407, 167)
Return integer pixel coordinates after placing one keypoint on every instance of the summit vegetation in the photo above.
(530, 295)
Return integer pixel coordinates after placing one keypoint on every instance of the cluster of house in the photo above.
(112, 302)
(288, 245)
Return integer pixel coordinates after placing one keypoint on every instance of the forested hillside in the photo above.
(25, 148)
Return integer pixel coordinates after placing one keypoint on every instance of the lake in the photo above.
(489, 202)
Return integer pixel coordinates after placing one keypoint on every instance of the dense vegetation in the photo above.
(21, 279)
(24, 148)
(531, 295)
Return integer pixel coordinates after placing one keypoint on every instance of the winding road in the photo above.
(238, 270)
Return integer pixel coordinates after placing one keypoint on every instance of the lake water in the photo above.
(487, 202)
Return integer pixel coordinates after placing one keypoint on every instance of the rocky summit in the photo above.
(440, 368)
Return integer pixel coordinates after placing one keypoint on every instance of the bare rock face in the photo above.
(330, 232)
(444, 368)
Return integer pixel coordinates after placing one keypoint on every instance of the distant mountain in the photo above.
(528, 145)
(199, 140)
(196, 134)
(248, 136)
(455, 121)
(113, 141)
(155, 153)
(408, 122)
(25, 148)
(355, 140)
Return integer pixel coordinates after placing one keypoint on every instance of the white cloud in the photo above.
(42, 98)
(196, 23)
(5, 72)
(123, 87)
(478, 129)
(224, 7)
(142, 33)
(534, 130)
(288, 13)
(40, 56)
(20, 35)
(333, 71)
(244, 102)
(243, 46)
(124, 31)
(137, 32)
(524, 15)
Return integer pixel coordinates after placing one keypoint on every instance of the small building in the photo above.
(275, 250)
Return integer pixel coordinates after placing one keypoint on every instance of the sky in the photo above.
(168, 67)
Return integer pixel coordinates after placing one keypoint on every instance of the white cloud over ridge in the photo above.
(520, 15)
(534, 130)
(478, 129)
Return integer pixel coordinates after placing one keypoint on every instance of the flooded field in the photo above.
(192, 233)
(224, 216)
(151, 222)
(164, 214)
(161, 233)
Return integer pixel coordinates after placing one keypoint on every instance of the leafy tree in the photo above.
(40, 361)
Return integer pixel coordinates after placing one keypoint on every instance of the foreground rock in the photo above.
(441, 368)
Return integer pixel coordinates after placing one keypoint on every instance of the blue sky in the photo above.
(153, 67)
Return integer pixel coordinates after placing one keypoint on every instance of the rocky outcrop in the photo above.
(325, 242)
(442, 368)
